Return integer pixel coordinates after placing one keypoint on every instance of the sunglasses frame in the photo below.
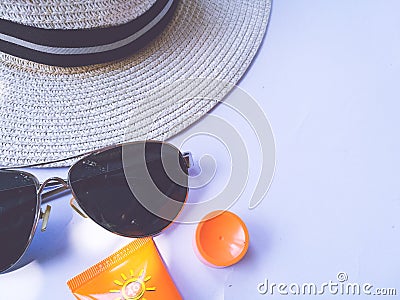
(65, 184)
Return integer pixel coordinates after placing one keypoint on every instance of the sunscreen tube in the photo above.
(135, 272)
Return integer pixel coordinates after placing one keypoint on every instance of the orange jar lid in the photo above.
(222, 239)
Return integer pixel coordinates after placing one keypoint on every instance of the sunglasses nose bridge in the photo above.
(63, 186)
(60, 181)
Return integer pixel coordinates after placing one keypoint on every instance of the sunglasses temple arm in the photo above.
(49, 194)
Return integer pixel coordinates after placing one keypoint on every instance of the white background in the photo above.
(327, 77)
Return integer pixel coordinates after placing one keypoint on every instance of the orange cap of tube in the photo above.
(222, 239)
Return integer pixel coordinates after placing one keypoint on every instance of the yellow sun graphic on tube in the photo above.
(132, 288)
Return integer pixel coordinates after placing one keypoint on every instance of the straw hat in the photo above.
(80, 75)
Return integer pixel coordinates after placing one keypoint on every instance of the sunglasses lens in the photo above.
(18, 211)
(133, 190)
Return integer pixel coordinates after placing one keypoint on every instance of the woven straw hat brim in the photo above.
(49, 113)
